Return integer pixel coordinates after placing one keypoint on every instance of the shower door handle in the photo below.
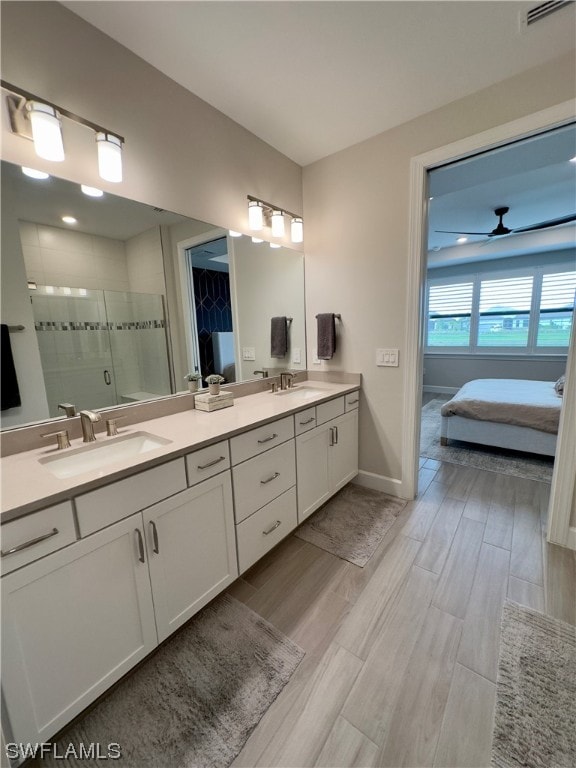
(107, 377)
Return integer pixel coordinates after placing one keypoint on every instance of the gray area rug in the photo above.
(480, 457)
(535, 722)
(352, 523)
(196, 701)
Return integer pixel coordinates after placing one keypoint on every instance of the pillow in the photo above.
(559, 386)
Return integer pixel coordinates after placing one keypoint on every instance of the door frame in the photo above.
(553, 117)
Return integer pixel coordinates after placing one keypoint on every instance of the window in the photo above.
(529, 310)
(556, 309)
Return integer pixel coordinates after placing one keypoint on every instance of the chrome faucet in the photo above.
(87, 421)
(286, 380)
(68, 408)
(264, 373)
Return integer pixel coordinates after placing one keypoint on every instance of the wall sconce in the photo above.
(33, 118)
(273, 216)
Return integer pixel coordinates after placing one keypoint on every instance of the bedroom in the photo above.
(499, 303)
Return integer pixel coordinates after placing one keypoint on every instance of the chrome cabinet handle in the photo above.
(211, 463)
(274, 476)
(141, 556)
(107, 378)
(30, 543)
(336, 435)
(332, 436)
(308, 421)
(272, 527)
(267, 439)
(155, 546)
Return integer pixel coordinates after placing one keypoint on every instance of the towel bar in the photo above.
(338, 317)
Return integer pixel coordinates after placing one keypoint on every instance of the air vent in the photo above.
(544, 9)
(158, 210)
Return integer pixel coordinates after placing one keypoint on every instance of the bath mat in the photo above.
(535, 722)
(352, 523)
(480, 457)
(195, 702)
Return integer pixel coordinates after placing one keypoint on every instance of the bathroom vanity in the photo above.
(101, 564)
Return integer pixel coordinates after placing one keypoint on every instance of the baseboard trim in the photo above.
(381, 483)
(440, 390)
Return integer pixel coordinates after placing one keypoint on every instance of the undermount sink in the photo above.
(102, 453)
(303, 390)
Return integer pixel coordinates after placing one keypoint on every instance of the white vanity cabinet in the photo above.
(326, 458)
(73, 623)
(191, 549)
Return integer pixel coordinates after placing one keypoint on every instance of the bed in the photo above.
(516, 414)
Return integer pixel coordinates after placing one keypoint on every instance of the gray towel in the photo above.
(326, 335)
(279, 337)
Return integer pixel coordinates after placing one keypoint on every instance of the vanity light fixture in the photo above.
(255, 215)
(262, 214)
(34, 118)
(233, 233)
(277, 224)
(69, 220)
(34, 174)
(91, 191)
(297, 230)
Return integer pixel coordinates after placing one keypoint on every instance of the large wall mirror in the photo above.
(120, 304)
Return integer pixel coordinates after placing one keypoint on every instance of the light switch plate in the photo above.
(296, 355)
(387, 357)
(248, 353)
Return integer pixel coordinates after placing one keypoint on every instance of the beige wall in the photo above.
(180, 154)
(144, 262)
(356, 205)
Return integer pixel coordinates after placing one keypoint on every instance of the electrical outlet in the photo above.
(387, 357)
(248, 353)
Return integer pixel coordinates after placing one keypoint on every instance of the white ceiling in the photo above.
(311, 78)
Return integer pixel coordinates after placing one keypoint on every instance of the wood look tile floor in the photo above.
(401, 655)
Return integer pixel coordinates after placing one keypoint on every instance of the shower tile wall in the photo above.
(213, 310)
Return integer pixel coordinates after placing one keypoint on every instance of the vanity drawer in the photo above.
(263, 478)
(207, 462)
(258, 440)
(352, 400)
(327, 411)
(37, 535)
(304, 420)
(100, 508)
(260, 532)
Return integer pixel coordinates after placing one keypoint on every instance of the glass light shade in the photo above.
(46, 131)
(34, 174)
(109, 156)
(91, 191)
(257, 240)
(255, 217)
(233, 233)
(297, 230)
(275, 245)
(277, 220)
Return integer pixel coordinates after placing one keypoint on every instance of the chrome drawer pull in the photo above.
(140, 545)
(30, 543)
(155, 547)
(267, 439)
(352, 402)
(336, 435)
(308, 421)
(211, 463)
(272, 527)
(274, 476)
(332, 439)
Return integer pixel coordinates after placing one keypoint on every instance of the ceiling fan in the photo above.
(500, 230)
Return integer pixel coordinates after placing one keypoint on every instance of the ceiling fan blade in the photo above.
(450, 232)
(546, 224)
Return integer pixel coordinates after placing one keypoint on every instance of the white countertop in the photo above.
(28, 485)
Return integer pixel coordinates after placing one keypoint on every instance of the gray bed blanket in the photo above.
(525, 403)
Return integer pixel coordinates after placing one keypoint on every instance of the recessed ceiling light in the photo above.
(91, 191)
(573, 159)
(275, 245)
(233, 233)
(257, 240)
(462, 240)
(69, 220)
(34, 174)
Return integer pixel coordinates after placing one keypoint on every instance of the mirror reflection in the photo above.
(128, 299)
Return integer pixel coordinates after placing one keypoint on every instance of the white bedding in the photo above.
(524, 403)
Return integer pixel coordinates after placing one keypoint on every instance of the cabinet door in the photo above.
(313, 475)
(344, 451)
(192, 550)
(73, 623)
